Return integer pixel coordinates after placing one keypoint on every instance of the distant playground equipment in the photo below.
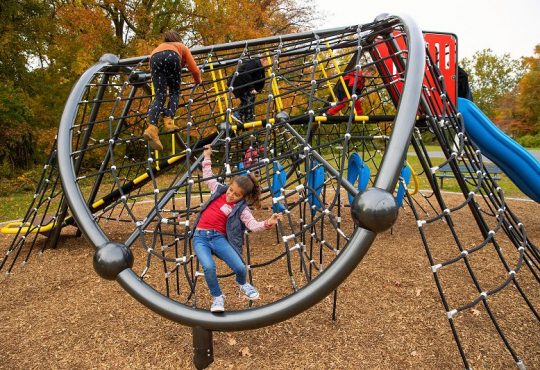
(340, 180)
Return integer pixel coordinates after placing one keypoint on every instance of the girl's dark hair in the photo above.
(172, 36)
(252, 190)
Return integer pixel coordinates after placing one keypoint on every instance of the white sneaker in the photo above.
(249, 291)
(218, 305)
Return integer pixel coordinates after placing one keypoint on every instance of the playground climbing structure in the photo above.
(338, 179)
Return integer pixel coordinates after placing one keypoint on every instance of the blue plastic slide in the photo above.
(516, 162)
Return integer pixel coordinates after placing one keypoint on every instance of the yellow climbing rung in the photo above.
(325, 75)
(274, 85)
(338, 70)
(27, 227)
(216, 88)
(356, 118)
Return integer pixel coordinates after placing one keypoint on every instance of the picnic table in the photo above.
(445, 172)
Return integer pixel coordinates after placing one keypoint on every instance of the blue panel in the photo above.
(405, 174)
(315, 182)
(357, 170)
(279, 179)
(241, 167)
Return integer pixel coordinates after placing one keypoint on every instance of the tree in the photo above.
(24, 29)
(16, 140)
(220, 21)
(529, 92)
(491, 77)
(46, 44)
(518, 112)
(24, 25)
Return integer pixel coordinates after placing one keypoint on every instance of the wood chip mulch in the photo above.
(56, 312)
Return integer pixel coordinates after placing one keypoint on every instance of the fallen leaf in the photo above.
(475, 312)
(231, 341)
(397, 283)
(418, 291)
(245, 352)
(413, 353)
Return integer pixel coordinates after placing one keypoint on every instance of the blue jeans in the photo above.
(206, 242)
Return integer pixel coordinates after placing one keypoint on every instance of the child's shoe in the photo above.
(249, 291)
(151, 134)
(218, 305)
(236, 117)
(169, 126)
(334, 110)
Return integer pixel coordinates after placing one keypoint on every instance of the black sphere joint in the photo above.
(111, 259)
(374, 209)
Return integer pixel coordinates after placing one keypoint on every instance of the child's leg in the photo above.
(223, 249)
(244, 102)
(341, 96)
(159, 79)
(358, 107)
(202, 247)
(250, 100)
(335, 110)
(173, 82)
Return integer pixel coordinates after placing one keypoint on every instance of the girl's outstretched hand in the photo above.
(275, 218)
(207, 151)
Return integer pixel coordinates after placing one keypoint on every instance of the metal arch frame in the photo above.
(318, 288)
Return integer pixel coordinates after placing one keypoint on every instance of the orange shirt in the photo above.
(185, 57)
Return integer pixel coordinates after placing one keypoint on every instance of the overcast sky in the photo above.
(505, 26)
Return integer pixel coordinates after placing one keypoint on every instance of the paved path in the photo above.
(439, 154)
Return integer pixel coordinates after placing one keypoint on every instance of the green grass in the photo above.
(14, 204)
(450, 184)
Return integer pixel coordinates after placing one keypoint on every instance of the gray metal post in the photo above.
(203, 347)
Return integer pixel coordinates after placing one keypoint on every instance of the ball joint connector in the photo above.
(111, 259)
(374, 209)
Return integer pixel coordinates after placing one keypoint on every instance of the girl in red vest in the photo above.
(220, 227)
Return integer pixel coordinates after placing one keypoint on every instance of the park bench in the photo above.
(445, 172)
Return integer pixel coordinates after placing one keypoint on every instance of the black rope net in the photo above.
(149, 200)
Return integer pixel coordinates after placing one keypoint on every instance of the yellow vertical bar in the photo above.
(216, 87)
(323, 70)
(340, 76)
(173, 144)
(223, 88)
(274, 85)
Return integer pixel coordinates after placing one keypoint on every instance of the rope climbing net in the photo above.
(310, 163)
